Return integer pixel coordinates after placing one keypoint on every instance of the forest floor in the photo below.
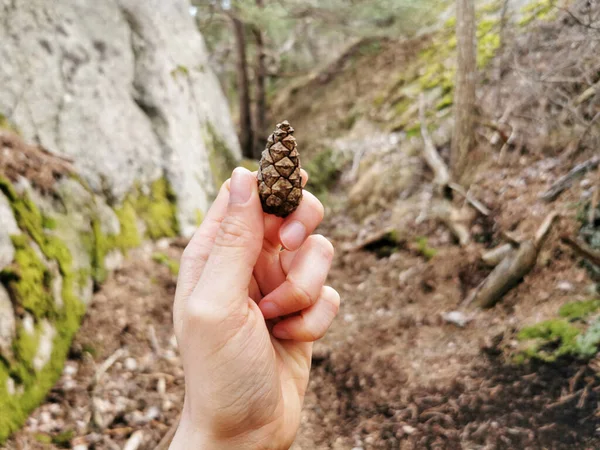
(393, 372)
(390, 374)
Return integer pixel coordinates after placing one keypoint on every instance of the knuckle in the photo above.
(300, 297)
(234, 232)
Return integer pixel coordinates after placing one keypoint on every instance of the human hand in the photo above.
(245, 316)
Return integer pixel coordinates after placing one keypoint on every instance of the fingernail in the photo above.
(269, 309)
(240, 187)
(292, 235)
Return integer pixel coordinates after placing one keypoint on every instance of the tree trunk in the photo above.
(464, 94)
(261, 96)
(246, 131)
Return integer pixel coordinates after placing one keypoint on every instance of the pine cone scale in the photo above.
(279, 179)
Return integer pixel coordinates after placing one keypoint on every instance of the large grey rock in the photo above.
(122, 87)
(8, 227)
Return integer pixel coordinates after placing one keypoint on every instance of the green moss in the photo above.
(7, 124)
(323, 171)
(29, 281)
(424, 249)
(222, 161)
(42, 438)
(164, 259)
(446, 101)
(579, 310)
(158, 211)
(63, 439)
(550, 339)
(49, 223)
(129, 237)
(180, 70)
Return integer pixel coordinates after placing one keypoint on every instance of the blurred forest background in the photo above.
(456, 148)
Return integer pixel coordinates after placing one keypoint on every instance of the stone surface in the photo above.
(8, 227)
(7, 323)
(123, 88)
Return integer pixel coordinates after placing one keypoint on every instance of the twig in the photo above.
(582, 249)
(566, 181)
(473, 201)
(542, 232)
(432, 157)
(134, 441)
(106, 365)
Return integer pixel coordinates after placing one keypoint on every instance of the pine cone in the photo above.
(279, 180)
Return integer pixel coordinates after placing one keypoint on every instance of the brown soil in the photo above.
(21, 160)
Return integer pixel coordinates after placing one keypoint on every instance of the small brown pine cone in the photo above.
(279, 180)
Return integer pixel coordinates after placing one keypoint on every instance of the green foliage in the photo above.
(538, 9)
(579, 310)
(424, 249)
(166, 261)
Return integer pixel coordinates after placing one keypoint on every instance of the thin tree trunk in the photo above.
(261, 96)
(464, 94)
(246, 131)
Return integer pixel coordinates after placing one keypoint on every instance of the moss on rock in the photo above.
(22, 388)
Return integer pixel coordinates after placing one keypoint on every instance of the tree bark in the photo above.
(464, 93)
(246, 131)
(261, 96)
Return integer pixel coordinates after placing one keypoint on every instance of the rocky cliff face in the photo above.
(112, 128)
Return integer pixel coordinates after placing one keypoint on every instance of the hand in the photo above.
(245, 315)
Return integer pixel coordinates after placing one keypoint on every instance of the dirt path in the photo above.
(391, 374)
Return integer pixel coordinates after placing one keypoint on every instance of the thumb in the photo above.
(238, 242)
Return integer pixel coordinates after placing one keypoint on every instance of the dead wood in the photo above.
(517, 263)
(582, 249)
(566, 181)
(495, 256)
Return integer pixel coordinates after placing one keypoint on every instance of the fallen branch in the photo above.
(483, 210)
(566, 181)
(512, 269)
(582, 249)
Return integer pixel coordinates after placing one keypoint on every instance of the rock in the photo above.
(45, 345)
(122, 88)
(457, 318)
(8, 227)
(7, 323)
